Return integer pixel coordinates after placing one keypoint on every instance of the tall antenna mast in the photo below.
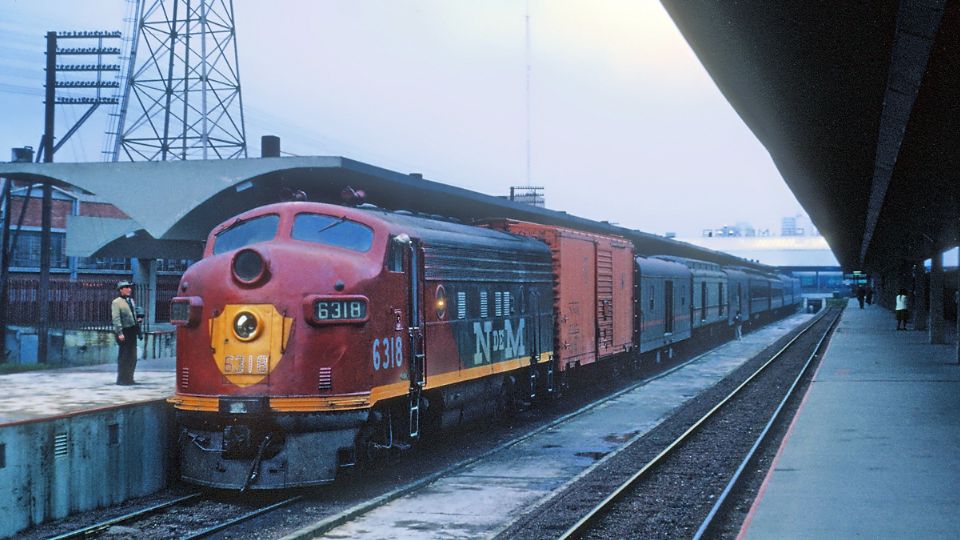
(527, 96)
(182, 98)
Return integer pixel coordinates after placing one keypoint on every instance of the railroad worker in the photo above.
(738, 325)
(125, 330)
(902, 313)
(861, 295)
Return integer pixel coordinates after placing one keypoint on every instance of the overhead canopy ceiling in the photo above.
(858, 104)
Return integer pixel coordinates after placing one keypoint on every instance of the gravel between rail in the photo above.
(674, 499)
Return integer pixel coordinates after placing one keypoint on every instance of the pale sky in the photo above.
(626, 126)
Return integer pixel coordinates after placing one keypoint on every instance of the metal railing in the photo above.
(76, 304)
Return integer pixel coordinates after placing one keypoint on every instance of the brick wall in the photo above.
(59, 212)
(101, 210)
(60, 209)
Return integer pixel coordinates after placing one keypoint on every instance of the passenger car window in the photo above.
(244, 233)
(332, 231)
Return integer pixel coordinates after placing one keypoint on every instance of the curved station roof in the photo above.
(173, 205)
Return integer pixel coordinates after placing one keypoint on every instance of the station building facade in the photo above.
(81, 287)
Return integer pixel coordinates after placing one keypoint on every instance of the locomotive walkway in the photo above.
(873, 451)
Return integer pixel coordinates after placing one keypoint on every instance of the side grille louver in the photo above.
(325, 381)
(61, 445)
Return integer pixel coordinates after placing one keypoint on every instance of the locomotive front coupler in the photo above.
(247, 429)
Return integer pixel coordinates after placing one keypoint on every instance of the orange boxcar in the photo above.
(593, 291)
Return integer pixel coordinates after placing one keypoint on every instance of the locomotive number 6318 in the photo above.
(345, 309)
(387, 353)
(341, 310)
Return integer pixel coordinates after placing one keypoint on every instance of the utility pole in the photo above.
(43, 295)
(4, 265)
(47, 147)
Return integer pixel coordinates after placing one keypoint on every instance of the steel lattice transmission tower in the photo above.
(182, 95)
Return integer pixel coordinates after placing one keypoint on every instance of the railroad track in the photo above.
(629, 494)
(421, 512)
(330, 508)
(155, 512)
(161, 516)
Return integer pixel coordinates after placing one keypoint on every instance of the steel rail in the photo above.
(581, 526)
(103, 525)
(96, 528)
(239, 519)
(708, 521)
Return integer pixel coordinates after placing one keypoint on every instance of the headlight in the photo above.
(246, 326)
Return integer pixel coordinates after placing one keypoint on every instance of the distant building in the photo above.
(742, 228)
(797, 225)
(808, 258)
(788, 227)
(528, 195)
(25, 232)
(746, 229)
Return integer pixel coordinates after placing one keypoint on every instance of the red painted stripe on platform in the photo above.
(776, 460)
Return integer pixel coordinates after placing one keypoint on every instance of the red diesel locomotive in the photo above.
(311, 335)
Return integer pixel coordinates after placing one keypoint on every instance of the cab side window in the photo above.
(395, 256)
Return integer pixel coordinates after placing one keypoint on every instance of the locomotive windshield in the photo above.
(332, 231)
(244, 233)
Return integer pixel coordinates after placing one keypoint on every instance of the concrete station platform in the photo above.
(72, 440)
(55, 392)
(874, 451)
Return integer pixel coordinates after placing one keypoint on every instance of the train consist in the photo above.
(311, 336)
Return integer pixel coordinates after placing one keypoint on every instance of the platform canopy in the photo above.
(857, 103)
(173, 205)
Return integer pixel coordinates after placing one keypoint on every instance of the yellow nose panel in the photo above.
(247, 354)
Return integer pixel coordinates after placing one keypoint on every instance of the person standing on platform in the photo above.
(861, 294)
(126, 330)
(869, 295)
(902, 313)
(738, 325)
